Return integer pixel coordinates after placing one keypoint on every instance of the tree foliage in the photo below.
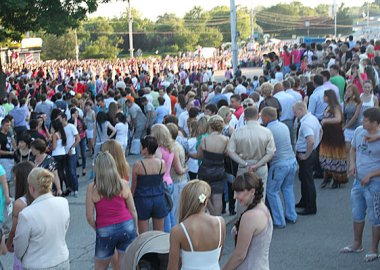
(59, 47)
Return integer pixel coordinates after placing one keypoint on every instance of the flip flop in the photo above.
(369, 257)
(349, 249)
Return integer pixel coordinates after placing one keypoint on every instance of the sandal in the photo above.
(369, 257)
(349, 249)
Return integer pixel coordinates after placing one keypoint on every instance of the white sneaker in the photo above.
(75, 194)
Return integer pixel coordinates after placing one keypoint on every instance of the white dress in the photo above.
(201, 260)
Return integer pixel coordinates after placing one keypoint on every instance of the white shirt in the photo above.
(192, 163)
(297, 96)
(71, 132)
(41, 230)
(228, 95)
(168, 103)
(240, 89)
(108, 101)
(182, 121)
(287, 101)
(279, 76)
(122, 133)
(309, 127)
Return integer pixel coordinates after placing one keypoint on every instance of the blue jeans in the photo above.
(366, 198)
(81, 147)
(178, 187)
(281, 179)
(72, 170)
(169, 219)
(118, 236)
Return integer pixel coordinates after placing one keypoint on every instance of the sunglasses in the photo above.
(247, 105)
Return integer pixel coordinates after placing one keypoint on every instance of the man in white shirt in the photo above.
(287, 101)
(121, 84)
(240, 89)
(182, 119)
(168, 104)
(309, 137)
(288, 86)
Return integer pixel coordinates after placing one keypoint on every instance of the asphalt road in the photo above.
(312, 243)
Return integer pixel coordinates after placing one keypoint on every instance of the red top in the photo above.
(287, 58)
(238, 112)
(110, 212)
(173, 101)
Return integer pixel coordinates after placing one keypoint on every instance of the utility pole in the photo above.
(368, 13)
(335, 12)
(76, 46)
(253, 15)
(233, 35)
(130, 20)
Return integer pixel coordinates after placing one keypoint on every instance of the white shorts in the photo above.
(348, 134)
(90, 134)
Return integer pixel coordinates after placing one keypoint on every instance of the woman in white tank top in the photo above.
(197, 241)
(369, 100)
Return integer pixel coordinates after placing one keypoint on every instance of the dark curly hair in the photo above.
(248, 181)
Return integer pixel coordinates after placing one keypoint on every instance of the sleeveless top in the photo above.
(59, 149)
(258, 252)
(149, 185)
(349, 112)
(168, 158)
(111, 211)
(369, 104)
(201, 260)
(212, 170)
(89, 121)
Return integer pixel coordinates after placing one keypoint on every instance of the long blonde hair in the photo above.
(163, 136)
(41, 179)
(190, 202)
(107, 178)
(116, 150)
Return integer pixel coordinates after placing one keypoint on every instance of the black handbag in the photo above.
(168, 197)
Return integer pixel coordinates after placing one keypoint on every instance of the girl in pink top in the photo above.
(110, 198)
(164, 151)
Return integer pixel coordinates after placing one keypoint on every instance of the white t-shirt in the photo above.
(192, 163)
(71, 131)
(122, 133)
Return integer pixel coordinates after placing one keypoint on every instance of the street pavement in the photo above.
(312, 243)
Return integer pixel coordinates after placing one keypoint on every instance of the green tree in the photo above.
(53, 16)
(98, 39)
(58, 47)
(220, 19)
(322, 10)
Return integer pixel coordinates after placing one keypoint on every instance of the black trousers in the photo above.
(61, 169)
(308, 193)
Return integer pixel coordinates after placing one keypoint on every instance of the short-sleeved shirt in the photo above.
(309, 127)
(71, 131)
(136, 113)
(340, 82)
(161, 111)
(19, 114)
(48, 163)
(6, 144)
(150, 108)
(367, 154)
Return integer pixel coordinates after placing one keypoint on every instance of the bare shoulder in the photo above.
(18, 206)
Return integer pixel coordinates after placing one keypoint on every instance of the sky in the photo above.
(152, 8)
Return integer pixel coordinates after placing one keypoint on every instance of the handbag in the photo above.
(168, 197)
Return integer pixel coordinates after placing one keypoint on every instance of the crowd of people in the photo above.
(204, 145)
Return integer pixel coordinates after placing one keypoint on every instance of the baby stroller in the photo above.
(149, 251)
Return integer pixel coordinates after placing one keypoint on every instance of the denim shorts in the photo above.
(365, 199)
(117, 236)
(151, 207)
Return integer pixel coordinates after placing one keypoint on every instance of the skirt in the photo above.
(332, 153)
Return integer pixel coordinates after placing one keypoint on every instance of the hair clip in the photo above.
(202, 198)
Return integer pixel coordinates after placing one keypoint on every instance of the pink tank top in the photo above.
(110, 212)
(168, 158)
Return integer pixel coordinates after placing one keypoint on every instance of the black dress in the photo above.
(212, 170)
